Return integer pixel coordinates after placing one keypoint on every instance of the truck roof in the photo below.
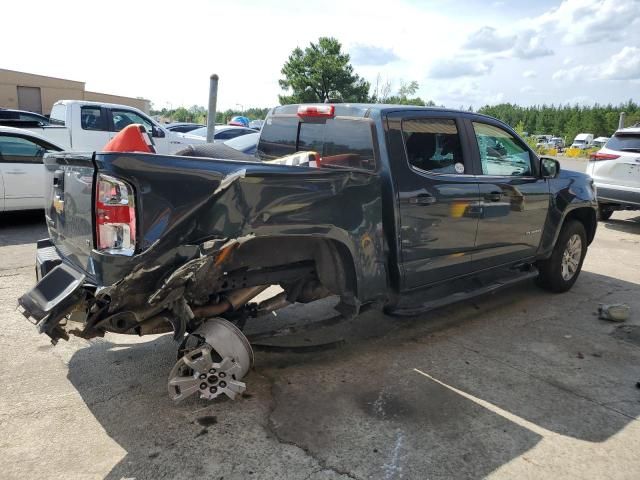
(97, 104)
(364, 109)
(628, 130)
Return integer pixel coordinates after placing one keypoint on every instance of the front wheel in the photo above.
(560, 271)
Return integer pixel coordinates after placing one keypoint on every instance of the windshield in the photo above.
(58, 114)
(578, 141)
(625, 141)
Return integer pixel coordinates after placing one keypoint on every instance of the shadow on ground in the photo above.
(363, 409)
(629, 225)
(24, 227)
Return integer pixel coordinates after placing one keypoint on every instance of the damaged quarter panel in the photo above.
(183, 202)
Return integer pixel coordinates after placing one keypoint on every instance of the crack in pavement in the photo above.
(270, 428)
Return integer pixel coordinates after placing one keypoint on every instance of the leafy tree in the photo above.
(566, 120)
(382, 94)
(321, 73)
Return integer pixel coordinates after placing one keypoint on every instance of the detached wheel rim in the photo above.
(571, 257)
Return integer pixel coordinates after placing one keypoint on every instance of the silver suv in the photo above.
(615, 168)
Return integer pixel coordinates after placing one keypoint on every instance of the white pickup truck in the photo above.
(88, 126)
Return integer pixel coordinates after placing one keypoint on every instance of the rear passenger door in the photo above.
(437, 196)
(515, 199)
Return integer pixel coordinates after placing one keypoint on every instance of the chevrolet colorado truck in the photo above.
(401, 208)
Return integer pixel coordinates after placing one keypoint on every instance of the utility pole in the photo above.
(621, 120)
(211, 115)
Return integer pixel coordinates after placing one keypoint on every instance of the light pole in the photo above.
(241, 108)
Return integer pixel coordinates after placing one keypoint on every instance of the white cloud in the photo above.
(487, 39)
(466, 92)
(529, 74)
(459, 67)
(581, 72)
(372, 55)
(589, 21)
(625, 65)
(530, 45)
(527, 89)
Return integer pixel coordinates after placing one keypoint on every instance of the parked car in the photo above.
(396, 207)
(583, 141)
(239, 121)
(557, 142)
(615, 168)
(221, 133)
(18, 118)
(88, 126)
(21, 169)
(247, 144)
(256, 124)
(600, 142)
(183, 127)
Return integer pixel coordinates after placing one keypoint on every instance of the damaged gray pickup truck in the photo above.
(401, 208)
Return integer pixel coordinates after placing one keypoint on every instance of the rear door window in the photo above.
(625, 142)
(92, 118)
(433, 145)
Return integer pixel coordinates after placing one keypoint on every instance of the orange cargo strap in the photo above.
(132, 138)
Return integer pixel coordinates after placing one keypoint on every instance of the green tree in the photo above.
(321, 73)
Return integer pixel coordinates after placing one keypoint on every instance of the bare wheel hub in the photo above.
(571, 257)
(216, 366)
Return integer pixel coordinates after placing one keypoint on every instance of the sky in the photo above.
(461, 52)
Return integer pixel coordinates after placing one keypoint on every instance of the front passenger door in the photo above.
(515, 199)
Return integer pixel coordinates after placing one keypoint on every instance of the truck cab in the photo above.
(89, 126)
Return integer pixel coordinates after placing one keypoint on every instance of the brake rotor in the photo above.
(215, 366)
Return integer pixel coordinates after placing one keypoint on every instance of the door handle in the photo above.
(16, 172)
(422, 199)
(493, 196)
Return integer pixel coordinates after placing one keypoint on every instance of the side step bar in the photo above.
(410, 309)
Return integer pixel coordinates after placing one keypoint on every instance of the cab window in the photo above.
(501, 154)
(92, 118)
(433, 145)
(124, 118)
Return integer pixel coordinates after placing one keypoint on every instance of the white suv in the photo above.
(615, 168)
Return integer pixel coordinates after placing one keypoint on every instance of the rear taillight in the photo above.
(322, 111)
(597, 156)
(115, 216)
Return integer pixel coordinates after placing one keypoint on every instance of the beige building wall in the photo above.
(139, 103)
(53, 89)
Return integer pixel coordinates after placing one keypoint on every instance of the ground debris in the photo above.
(614, 312)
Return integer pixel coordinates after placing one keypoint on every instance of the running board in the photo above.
(408, 309)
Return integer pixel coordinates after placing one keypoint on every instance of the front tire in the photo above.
(560, 271)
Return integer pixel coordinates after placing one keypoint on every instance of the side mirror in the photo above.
(157, 132)
(549, 167)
